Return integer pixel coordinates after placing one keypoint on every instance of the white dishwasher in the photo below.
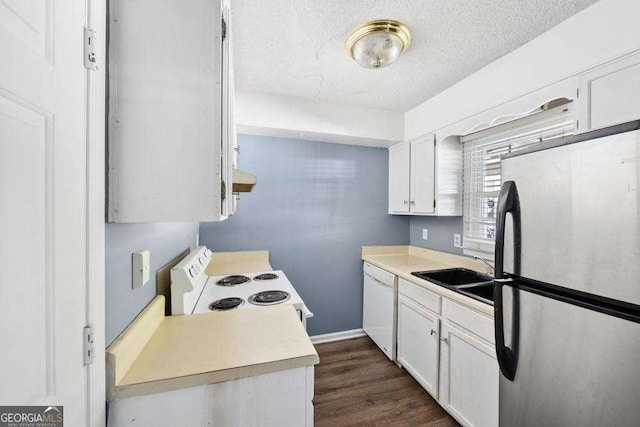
(379, 308)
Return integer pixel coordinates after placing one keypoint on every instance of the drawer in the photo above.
(379, 274)
(471, 320)
(420, 295)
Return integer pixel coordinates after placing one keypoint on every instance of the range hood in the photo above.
(243, 182)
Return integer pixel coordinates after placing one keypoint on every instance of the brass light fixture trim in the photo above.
(379, 25)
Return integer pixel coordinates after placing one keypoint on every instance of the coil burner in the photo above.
(269, 297)
(226, 304)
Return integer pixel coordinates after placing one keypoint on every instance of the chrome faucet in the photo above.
(490, 269)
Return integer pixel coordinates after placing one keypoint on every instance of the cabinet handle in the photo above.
(433, 331)
(413, 202)
(443, 340)
(406, 202)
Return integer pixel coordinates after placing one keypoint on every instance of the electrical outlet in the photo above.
(425, 234)
(139, 268)
(457, 241)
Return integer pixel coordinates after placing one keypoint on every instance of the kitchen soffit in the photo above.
(296, 48)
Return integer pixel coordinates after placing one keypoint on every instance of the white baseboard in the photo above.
(338, 336)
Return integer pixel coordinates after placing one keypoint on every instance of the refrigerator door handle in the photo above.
(508, 203)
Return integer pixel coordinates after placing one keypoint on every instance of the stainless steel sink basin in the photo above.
(461, 280)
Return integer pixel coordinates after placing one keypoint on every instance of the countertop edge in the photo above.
(214, 377)
(462, 299)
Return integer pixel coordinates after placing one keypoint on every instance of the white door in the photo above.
(418, 343)
(43, 206)
(423, 180)
(399, 174)
(468, 378)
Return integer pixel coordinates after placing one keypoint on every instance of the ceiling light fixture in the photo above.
(378, 43)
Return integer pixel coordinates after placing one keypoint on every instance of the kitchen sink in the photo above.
(452, 276)
(484, 292)
(461, 280)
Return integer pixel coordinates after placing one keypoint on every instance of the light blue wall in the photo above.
(315, 205)
(164, 242)
(441, 231)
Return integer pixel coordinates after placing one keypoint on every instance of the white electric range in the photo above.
(192, 291)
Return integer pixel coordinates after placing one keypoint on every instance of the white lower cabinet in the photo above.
(448, 349)
(283, 398)
(468, 378)
(418, 343)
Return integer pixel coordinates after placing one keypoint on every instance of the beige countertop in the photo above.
(402, 260)
(157, 353)
(223, 263)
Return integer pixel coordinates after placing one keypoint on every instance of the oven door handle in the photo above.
(306, 313)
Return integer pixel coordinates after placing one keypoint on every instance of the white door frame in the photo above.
(96, 99)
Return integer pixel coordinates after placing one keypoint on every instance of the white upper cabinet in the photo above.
(423, 168)
(399, 178)
(425, 177)
(171, 132)
(610, 94)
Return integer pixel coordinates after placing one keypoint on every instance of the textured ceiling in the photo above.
(296, 47)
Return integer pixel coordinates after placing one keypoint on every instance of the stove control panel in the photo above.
(188, 278)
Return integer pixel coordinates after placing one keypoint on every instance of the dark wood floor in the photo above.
(356, 384)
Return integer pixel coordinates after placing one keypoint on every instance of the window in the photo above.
(482, 152)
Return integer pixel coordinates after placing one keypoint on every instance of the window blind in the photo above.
(481, 177)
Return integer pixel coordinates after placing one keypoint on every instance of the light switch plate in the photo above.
(457, 240)
(140, 268)
(425, 233)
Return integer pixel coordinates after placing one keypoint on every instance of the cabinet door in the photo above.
(610, 94)
(228, 140)
(399, 175)
(469, 378)
(378, 314)
(423, 179)
(418, 343)
(166, 158)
